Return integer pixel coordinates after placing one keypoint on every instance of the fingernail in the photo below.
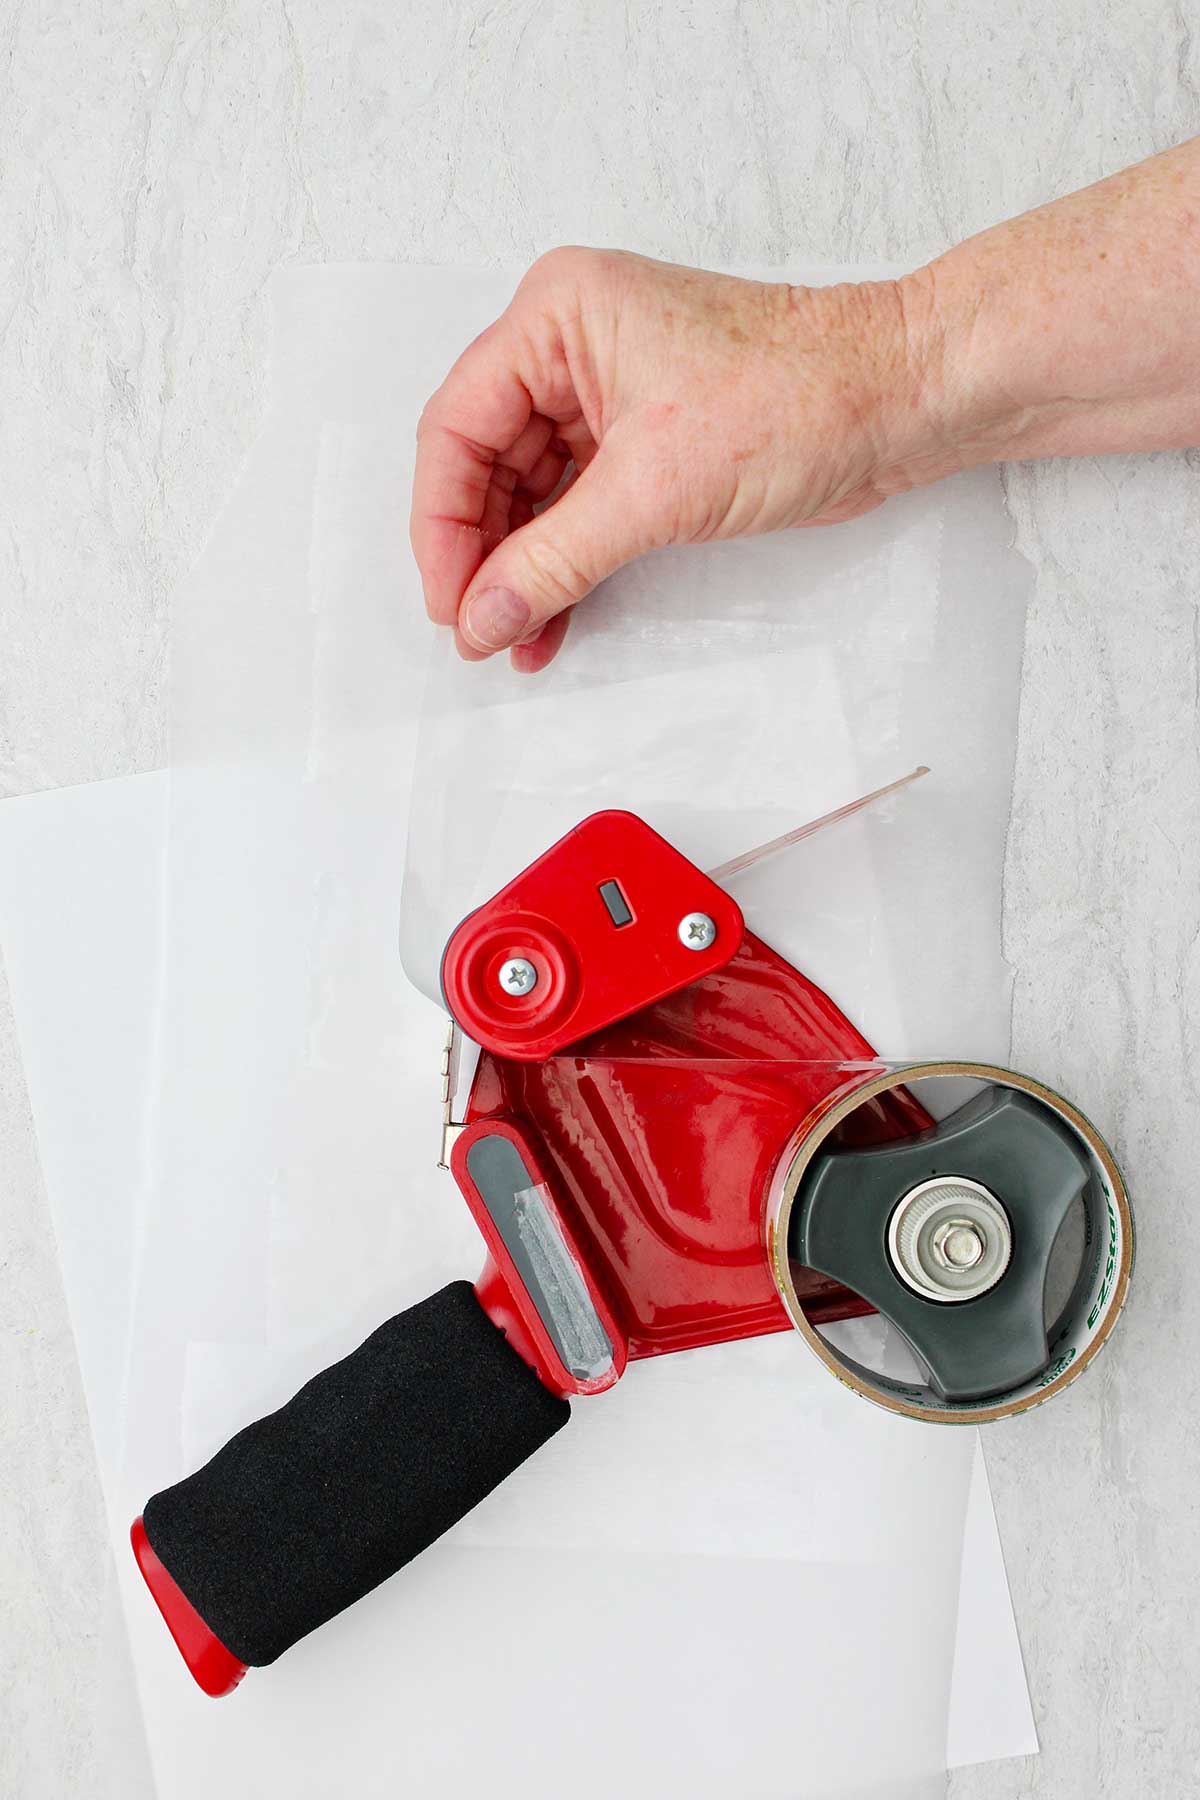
(495, 618)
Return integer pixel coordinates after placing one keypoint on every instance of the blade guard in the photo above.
(601, 917)
(536, 1286)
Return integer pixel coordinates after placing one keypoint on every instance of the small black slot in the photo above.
(615, 901)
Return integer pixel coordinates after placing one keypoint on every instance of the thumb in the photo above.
(551, 563)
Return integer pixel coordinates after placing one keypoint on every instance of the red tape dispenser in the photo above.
(671, 1138)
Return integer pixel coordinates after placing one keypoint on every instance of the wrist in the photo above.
(983, 398)
(887, 405)
(922, 404)
(953, 421)
(921, 410)
(988, 374)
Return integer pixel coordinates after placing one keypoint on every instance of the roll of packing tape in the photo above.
(925, 1229)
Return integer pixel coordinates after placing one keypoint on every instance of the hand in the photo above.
(621, 404)
(649, 405)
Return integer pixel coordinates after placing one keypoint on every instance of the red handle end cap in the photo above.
(213, 1667)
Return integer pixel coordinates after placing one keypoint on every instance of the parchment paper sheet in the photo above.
(721, 1569)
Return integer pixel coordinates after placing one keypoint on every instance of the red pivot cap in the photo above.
(609, 920)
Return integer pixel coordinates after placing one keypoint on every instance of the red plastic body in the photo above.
(216, 1669)
(661, 1134)
(591, 970)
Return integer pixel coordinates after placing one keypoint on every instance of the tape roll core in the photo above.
(1088, 1321)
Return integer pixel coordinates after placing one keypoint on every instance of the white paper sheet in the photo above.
(609, 1618)
(80, 929)
(990, 1714)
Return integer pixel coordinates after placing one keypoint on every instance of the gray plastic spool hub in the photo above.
(1016, 1149)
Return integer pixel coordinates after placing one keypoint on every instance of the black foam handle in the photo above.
(307, 1510)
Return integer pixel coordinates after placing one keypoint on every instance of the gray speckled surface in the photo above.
(156, 162)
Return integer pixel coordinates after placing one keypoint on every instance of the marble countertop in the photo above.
(157, 161)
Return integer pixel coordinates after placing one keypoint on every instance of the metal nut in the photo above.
(949, 1239)
(958, 1244)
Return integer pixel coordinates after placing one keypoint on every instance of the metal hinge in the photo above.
(450, 1126)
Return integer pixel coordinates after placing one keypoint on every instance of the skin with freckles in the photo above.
(621, 404)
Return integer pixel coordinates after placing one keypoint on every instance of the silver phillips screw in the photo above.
(518, 976)
(697, 931)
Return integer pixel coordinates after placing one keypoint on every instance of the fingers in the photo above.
(481, 415)
(505, 434)
(529, 658)
(503, 427)
(547, 566)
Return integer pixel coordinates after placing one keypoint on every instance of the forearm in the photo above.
(1072, 330)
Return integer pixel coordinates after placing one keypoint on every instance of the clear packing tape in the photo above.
(634, 1609)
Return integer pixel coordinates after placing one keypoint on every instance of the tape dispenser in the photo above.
(668, 1137)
